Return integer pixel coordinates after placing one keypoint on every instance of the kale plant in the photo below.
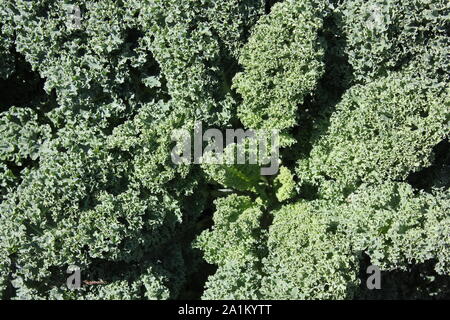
(93, 90)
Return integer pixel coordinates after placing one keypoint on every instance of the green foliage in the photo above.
(307, 259)
(282, 62)
(380, 131)
(6, 43)
(234, 281)
(233, 244)
(358, 91)
(100, 71)
(285, 185)
(6, 57)
(384, 36)
(21, 135)
(86, 207)
(8, 180)
(398, 228)
(195, 43)
(315, 248)
(89, 181)
(222, 168)
(233, 237)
